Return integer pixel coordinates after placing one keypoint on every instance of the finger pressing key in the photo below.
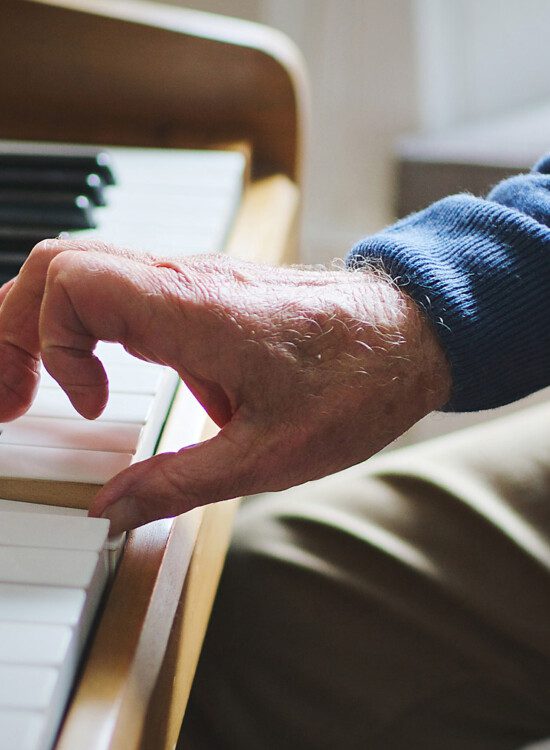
(20, 347)
(97, 296)
(19, 341)
(68, 336)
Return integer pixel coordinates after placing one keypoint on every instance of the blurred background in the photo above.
(411, 100)
(384, 69)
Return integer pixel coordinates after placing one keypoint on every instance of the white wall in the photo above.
(359, 55)
(478, 58)
(380, 68)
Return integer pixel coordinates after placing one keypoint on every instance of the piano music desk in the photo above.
(136, 73)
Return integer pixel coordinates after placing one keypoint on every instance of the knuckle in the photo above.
(51, 248)
(44, 252)
(62, 265)
(176, 489)
(184, 488)
(45, 247)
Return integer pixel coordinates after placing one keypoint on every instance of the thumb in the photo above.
(172, 483)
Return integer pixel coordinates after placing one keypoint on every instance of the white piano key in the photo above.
(157, 239)
(156, 170)
(122, 407)
(27, 688)
(134, 377)
(115, 354)
(161, 169)
(41, 604)
(112, 548)
(21, 730)
(110, 353)
(50, 567)
(54, 605)
(152, 429)
(177, 210)
(61, 464)
(19, 506)
(110, 437)
(191, 196)
(34, 644)
(39, 690)
(53, 532)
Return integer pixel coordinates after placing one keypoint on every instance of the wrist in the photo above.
(398, 328)
(365, 366)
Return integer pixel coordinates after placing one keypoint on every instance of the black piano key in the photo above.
(15, 246)
(10, 258)
(94, 189)
(9, 271)
(20, 241)
(40, 209)
(60, 180)
(98, 162)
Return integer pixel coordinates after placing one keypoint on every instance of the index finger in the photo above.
(19, 342)
(19, 323)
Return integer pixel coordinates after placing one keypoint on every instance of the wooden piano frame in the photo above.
(141, 74)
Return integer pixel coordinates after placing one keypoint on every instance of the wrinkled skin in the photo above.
(306, 371)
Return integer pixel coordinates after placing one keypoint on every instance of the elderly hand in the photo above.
(306, 371)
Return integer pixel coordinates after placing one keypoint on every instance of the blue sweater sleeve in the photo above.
(480, 269)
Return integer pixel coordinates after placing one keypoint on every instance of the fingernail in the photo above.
(123, 515)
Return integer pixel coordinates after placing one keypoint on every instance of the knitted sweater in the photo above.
(480, 269)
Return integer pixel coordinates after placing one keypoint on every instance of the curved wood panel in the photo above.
(137, 73)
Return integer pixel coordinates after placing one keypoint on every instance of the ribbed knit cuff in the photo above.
(481, 272)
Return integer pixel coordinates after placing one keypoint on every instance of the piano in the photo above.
(122, 76)
(170, 202)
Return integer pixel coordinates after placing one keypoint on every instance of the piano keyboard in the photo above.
(171, 203)
(54, 565)
(54, 561)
